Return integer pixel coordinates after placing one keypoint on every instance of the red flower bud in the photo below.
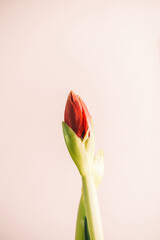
(76, 115)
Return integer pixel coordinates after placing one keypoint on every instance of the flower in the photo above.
(79, 138)
(78, 133)
(76, 115)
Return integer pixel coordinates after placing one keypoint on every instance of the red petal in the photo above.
(86, 117)
(73, 115)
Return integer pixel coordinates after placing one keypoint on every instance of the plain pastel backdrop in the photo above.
(108, 52)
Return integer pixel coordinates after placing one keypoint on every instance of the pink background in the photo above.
(108, 52)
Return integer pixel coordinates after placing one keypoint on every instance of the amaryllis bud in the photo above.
(76, 115)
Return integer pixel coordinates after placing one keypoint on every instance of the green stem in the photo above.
(80, 231)
(92, 208)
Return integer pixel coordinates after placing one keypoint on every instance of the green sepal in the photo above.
(89, 142)
(90, 147)
(98, 167)
(76, 149)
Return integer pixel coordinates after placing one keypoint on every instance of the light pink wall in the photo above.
(109, 53)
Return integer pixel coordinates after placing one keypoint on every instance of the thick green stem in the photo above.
(92, 208)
